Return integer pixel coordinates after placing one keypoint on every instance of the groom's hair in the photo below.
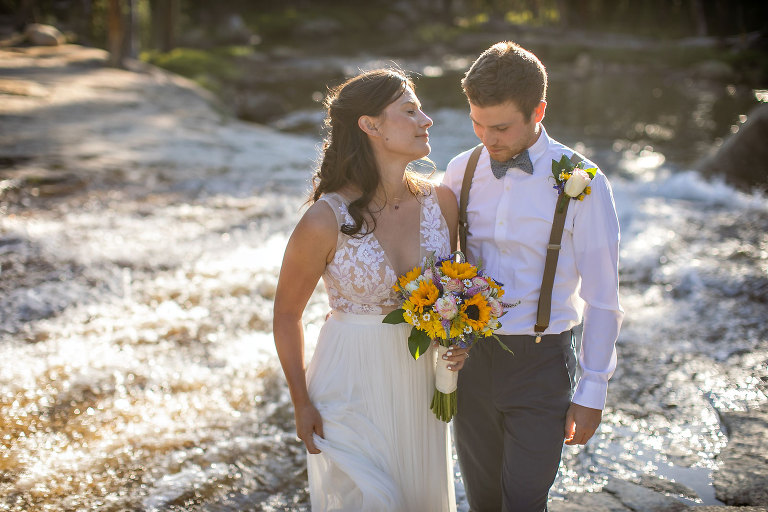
(506, 72)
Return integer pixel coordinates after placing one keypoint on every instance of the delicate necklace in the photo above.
(396, 200)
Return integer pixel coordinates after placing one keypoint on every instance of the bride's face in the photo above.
(402, 128)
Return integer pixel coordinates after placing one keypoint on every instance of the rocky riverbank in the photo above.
(77, 136)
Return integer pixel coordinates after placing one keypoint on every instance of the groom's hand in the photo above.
(581, 423)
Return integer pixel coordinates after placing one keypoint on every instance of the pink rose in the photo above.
(496, 309)
(446, 308)
(454, 286)
(479, 282)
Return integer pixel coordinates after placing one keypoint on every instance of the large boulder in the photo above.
(742, 478)
(743, 158)
(43, 35)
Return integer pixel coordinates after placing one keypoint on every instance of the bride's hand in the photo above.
(308, 422)
(456, 356)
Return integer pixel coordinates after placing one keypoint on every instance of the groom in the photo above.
(516, 410)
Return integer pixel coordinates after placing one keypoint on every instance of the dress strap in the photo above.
(337, 204)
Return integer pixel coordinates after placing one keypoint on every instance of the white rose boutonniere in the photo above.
(571, 180)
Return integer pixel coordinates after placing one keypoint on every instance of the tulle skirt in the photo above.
(383, 450)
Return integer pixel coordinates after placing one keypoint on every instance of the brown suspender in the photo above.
(553, 248)
(469, 172)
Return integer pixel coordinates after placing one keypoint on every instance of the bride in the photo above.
(362, 406)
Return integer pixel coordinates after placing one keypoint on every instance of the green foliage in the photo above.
(194, 63)
(395, 317)
(436, 32)
(418, 343)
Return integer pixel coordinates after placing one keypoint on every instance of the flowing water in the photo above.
(138, 367)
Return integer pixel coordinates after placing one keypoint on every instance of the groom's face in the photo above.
(504, 130)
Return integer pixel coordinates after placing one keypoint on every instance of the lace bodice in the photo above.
(359, 279)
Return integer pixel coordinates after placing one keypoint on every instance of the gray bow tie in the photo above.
(521, 161)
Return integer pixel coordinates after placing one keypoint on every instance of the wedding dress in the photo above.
(383, 450)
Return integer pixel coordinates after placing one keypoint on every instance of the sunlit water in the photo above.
(139, 371)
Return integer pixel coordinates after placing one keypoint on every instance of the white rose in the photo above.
(412, 286)
(577, 183)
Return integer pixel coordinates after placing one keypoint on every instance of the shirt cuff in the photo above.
(590, 393)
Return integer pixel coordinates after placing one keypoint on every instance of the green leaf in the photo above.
(564, 164)
(418, 343)
(502, 344)
(394, 317)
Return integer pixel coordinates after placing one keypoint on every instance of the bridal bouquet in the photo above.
(450, 302)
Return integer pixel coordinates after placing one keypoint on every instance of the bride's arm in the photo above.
(310, 248)
(450, 209)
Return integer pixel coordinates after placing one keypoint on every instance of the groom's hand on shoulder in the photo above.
(581, 423)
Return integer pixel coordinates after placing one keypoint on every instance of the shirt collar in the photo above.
(539, 147)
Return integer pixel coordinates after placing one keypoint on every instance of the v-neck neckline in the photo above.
(387, 260)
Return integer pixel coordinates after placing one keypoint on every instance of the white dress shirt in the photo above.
(510, 220)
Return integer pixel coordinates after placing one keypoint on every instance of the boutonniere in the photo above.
(572, 180)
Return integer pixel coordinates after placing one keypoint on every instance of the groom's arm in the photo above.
(596, 248)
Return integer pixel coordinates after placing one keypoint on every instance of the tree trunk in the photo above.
(116, 36)
(699, 18)
(165, 15)
(132, 41)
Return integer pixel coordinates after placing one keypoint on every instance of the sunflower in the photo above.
(424, 296)
(433, 327)
(411, 275)
(456, 328)
(456, 270)
(475, 312)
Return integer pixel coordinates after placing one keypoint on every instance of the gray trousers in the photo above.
(510, 421)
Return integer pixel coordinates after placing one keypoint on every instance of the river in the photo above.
(139, 371)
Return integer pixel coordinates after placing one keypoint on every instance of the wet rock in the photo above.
(43, 35)
(730, 509)
(42, 182)
(619, 496)
(393, 24)
(713, 70)
(588, 502)
(667, 487)
(743, 477)
(637, 497)
(319, 27)
(742, 158)
(260, 107)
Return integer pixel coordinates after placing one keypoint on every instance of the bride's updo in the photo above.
(347, 158)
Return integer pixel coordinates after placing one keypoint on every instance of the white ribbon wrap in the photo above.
(445, 379)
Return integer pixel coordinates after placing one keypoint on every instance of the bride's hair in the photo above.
(347, 157)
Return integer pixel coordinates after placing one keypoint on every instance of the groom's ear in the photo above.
(368, 125)
(538, 111)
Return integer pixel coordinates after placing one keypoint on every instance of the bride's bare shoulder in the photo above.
(321, 217)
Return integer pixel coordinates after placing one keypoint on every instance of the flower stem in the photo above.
(444, 405)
